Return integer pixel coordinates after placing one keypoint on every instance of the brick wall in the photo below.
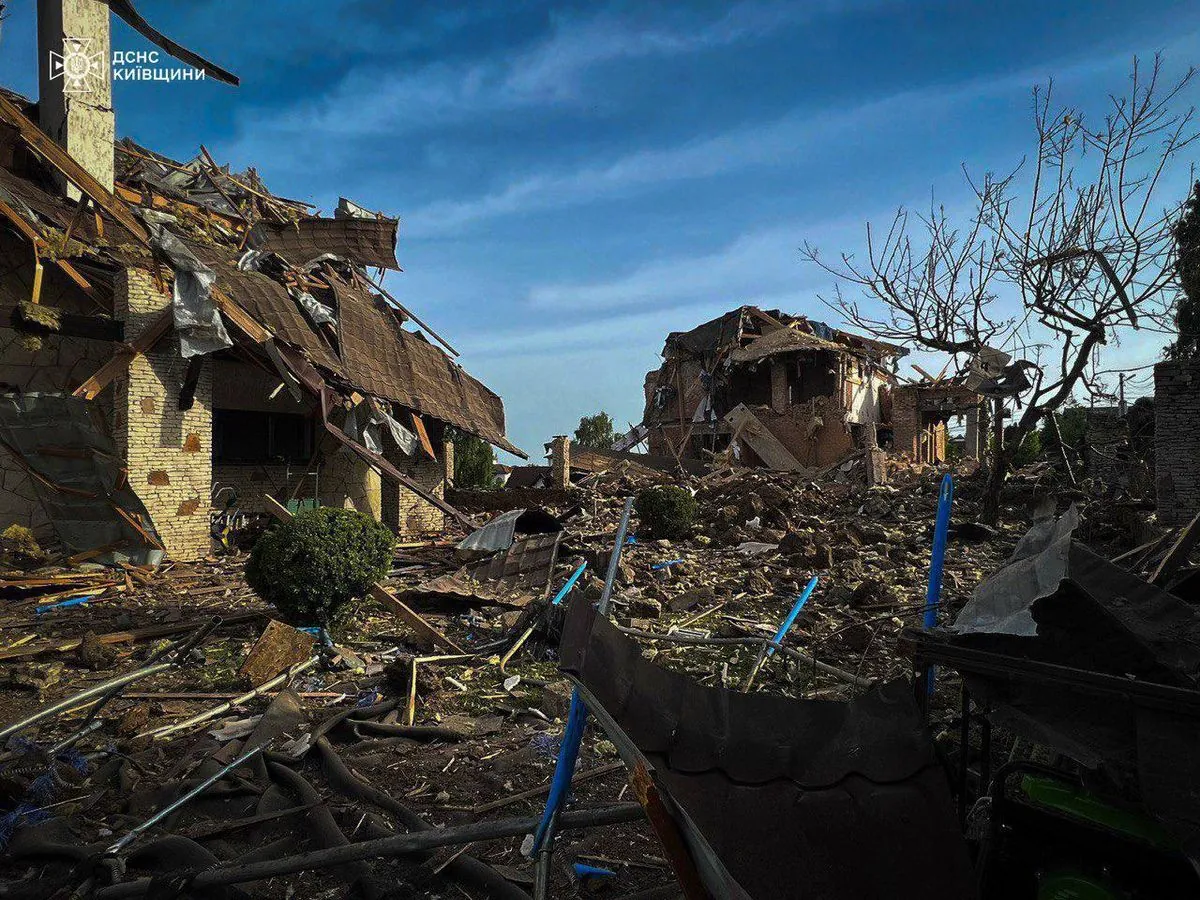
(403, 511)
(345, 481)
(906, 423)
(560, 461)
(779, 385)
(1177, 440)
(168, 452)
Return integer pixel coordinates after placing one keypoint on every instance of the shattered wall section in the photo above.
(168, 451)
(403, 511)
(1177, 440)
(815, 432)
(908, 435)
(346, 482)
(919, 415)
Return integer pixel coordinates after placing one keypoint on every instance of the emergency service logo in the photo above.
(81, 70)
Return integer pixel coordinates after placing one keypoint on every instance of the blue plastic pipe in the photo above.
(568, 750)
(937, 560)
(583, 872)
(566, 588)
(667, 564)
(74, 601)
(791, 616)
(564, 770)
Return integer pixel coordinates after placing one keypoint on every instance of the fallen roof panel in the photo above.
(781, 797)
(515, 577)
(387, 361)
(369, 242)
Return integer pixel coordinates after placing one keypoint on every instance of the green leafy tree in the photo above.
(596, 431)
(1029, 451)
(1187, 269)
(474, 462)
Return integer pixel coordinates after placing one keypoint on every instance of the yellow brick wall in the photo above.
(403, 511)
(345, 482)
(168, 452)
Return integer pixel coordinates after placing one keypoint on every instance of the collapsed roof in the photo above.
(749, 334)
(279, 271)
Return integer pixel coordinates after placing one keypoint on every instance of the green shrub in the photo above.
(19, 548)
(311, 567)
(665, 512)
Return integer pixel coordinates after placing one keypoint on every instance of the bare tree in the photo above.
(1080, 237)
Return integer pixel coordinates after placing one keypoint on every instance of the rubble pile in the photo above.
(373, 732)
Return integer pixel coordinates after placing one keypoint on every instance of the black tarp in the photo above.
(77, 475)
(779, 797)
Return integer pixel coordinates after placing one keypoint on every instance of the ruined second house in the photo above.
(787, 392)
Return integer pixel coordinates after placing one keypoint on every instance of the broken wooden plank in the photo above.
(381, 465)
(1179, 552)
(129, 636)
(380, 593)
(58, 158)
(35, 237)
(278, 648)
(768, 447)
(362, 273)
(119, 364)
(233, 311)
(426, 444)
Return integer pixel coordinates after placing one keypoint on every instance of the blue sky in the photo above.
(576, 180)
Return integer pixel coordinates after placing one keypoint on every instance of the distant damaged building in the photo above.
(788, 392)
(175, 338)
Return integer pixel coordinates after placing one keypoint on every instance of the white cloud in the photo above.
(784, 141)
(551, 72)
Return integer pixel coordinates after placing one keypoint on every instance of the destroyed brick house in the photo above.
(174, 338)
(788, 392)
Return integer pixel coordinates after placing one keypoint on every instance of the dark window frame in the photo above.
(284, 443)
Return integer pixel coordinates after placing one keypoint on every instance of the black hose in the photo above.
(322, 825)
(466, 869)
(413, 732)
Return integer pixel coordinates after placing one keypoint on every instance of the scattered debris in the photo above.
(278, 648)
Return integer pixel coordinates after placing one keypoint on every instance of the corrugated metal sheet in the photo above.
(513, 578)
(499, 533)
